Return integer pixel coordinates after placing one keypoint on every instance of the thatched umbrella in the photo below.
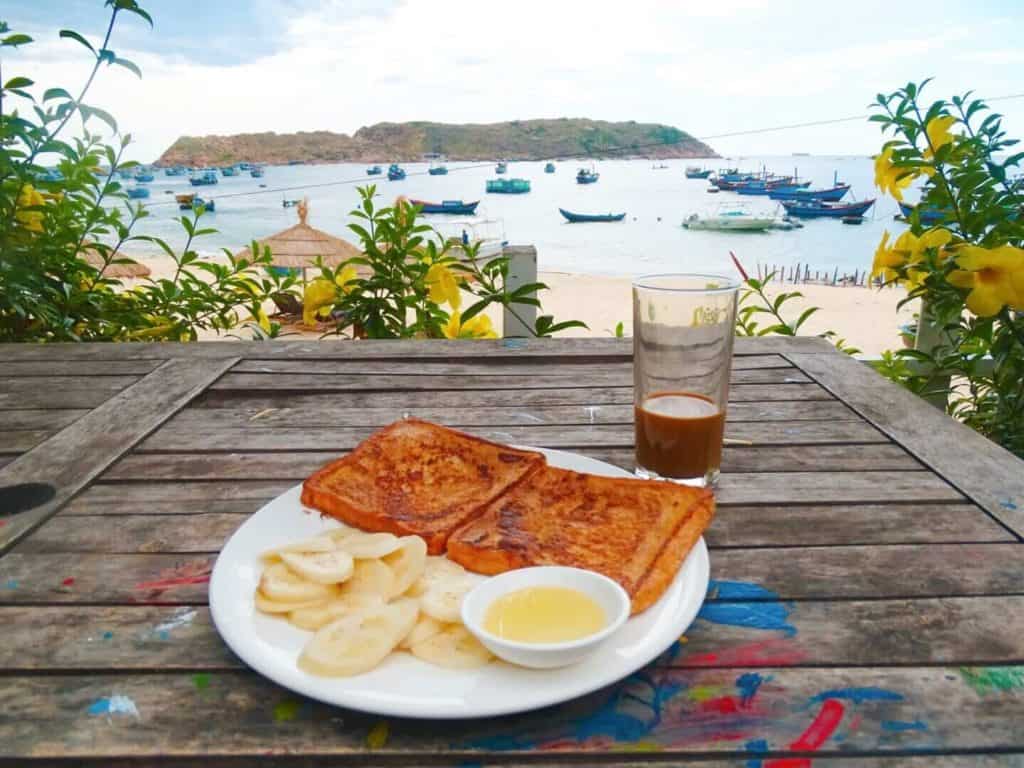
(95, 259)
(299, 246)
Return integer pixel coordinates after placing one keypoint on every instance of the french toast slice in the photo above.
(417, 478)
(637, 532)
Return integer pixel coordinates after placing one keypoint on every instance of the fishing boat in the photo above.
(451, 207)
(176, 170)
(549, 168)
(732, 218)
(245, 166)
(144, 177)
(289, 203)
(501, 168)
(438, 170)
(125, 174)
(395, 172)
(696, 172)
(765, 187)
(207, 205)
(138, 192)
(814, 209)
(374, 170)
(928, 216)
(508, 186)
(256, 171)
(829, 194)
(852, 219)
(229, 170)
(579, 218)
(185, 201)
(712, 190)
(203, 178)
(583, 176)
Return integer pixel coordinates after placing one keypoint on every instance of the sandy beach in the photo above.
(866, 318)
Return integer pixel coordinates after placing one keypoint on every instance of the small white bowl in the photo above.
(602, 590)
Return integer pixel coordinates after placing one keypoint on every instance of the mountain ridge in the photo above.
(411, 141)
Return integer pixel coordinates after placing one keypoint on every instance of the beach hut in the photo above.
(298, 247)
(95, 259)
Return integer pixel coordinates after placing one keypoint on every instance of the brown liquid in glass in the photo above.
(679, 437)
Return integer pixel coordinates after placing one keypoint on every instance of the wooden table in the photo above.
(867, 607)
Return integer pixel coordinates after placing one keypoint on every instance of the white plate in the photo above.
(403, 686)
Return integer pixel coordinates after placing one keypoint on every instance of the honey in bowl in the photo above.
(544, 615)
(679, 435)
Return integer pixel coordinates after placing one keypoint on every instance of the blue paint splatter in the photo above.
(858, 695)
(163, 634)
(1008, 504)
(759, 746)
(738, 590)
(899, 726)
(107, 635)
(11, 584)
(514, 343)
(747, 685)
(755, 615)
(114, 705)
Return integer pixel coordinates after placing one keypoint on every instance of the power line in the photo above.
(599, 152)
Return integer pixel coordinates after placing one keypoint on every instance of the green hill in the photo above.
(387, 142)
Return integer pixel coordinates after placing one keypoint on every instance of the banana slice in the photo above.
(454, 647)
(438, 568)
(321, 543)
(363, 545)
(407, 563)
(284, 585)
(357, 643)
(371, 577)
(316, 616)
(442, 598)
(320, 567)
(268, 605)
(425, 629)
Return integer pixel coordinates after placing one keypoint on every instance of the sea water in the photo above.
(651, 239)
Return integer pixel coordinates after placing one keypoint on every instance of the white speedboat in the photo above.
(731, 218)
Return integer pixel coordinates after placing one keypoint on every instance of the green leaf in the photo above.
(16, 40)
(102, 114)
(18, 82)
(56, 93)
(70, 33)
(129, 65)
(132, 7)
(619, 330)
(107, 55)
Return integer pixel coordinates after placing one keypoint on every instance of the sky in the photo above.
(706, 66)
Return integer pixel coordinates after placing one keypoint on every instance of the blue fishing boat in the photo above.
(500, 168)
(928, 216)
(438, 170)
(695, 172)
(256, 171)
(144, 177)
(203, 178)
(207, 205)
(176, 170)
(549, 168)
(125, 173)
(456, 207)
(583, 176)
(138, 192)
(579, 218)
(830, 194)
(508, 186)
(374, 170)
(245, 166)
(229, 170)
(814, 209)
(289, 203)
(395, 173)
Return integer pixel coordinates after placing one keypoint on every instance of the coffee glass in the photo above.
(683, 331)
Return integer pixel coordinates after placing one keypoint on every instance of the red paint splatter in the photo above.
(726, 705)
(817, 733)
(776, 652)
(190, 573)
(3, 523)
(67, 582)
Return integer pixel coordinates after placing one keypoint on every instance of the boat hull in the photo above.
(698, 174)
(928, 216)
(581, 218)
(830, 195)
(731, 223)
(438, 171)
(453, 209)
(814, 210)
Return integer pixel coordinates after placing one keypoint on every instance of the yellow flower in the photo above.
(994, 277)
(262, 319)
(886, 260)
(938, 134)
(443, 286)
(31, 220)
(347, 275)
(317, 299)
(478, 327)
(889, 178)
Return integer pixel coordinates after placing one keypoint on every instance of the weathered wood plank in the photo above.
(971, 631)
(334, 350)
(63, 716)
(50, 398)
(202, 532)
(823, 460)
(468, 398)
(103, 497)
(558, 378)
(791, 573)
(988, 474)
(258, 437)
(46, 418)
(89, 367)
(65, 383)
(329, 411)
(80, 452)
(482, 367)
(21, 440)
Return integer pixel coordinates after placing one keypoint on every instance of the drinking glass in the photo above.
(683, 331)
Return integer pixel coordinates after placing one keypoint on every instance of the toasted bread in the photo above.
(417, 478)
(637, 532)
